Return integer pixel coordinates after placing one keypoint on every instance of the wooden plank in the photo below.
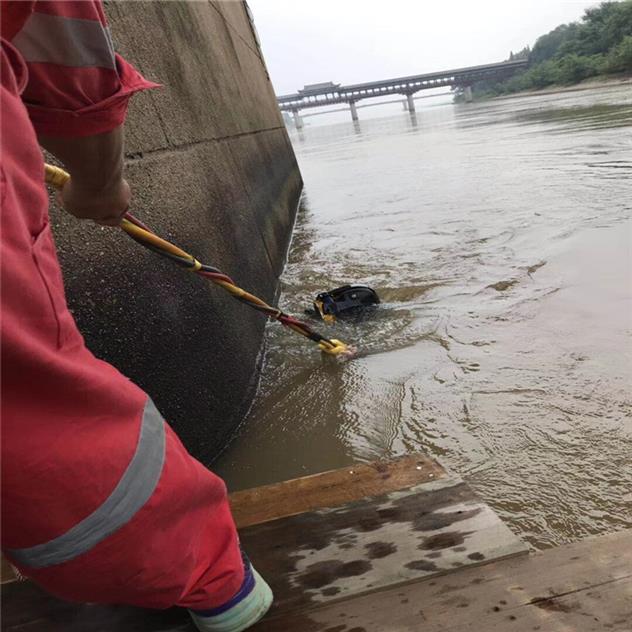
(575, 588)
(581, 587)
(331, 489)
(595, 609)
(331, 554)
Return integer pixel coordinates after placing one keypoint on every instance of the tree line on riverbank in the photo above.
(599, 44)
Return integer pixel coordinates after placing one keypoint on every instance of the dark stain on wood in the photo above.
(552, 605)
(443, 540)
(433, 520)
(377, 550)
(458, 601)
(388, 514)
(421, 565)
(369, 523)
(345, 540)
(324, 573)
(330, 591)
(476, 556)
(317, 529)
(300, 535)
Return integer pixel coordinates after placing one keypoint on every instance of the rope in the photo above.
(143, 235)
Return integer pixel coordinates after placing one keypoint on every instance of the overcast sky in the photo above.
(350, 41)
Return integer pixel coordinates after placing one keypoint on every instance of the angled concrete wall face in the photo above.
(212, 169)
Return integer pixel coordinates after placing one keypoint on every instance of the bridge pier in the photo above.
(354, 110)
(467, 93)
(410, 102)
(298, 121)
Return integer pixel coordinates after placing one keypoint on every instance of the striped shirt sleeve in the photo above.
(78, 85)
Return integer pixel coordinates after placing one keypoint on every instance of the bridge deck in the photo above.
(398, 85)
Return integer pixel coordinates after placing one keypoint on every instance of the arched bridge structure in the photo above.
(319, 94)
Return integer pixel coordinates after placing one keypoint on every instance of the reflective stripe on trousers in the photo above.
(65, 41)
(133, 490)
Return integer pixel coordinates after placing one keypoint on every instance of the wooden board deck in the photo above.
(580, 587)
(374, 543)
(387, 547)
(354, 530)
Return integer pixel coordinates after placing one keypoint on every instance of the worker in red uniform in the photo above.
(100, 500)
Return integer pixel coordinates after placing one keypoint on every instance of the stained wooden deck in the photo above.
(386, 547)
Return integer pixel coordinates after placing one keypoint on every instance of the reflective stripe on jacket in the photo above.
(78, 85)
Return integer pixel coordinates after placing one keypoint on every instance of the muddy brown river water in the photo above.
(499, 237)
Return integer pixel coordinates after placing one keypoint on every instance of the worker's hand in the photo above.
(97, 189)
(105, 206)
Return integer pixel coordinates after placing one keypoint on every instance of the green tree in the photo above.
(600, 43)
(620, 57)
(574, 68)
(546, 46)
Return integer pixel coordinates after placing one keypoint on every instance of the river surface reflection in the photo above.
(499, 238)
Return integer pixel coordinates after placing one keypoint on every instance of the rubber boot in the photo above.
(251, 602)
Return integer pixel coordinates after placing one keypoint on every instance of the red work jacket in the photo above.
(100, 501)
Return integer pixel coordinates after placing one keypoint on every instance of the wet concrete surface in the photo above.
(212, 169)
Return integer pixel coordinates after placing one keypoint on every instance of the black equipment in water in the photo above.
(348, 300)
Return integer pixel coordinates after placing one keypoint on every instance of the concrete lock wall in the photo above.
(212, 169)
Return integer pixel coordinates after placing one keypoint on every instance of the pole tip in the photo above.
(339, 349)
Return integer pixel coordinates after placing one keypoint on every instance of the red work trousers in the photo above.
(100, 500)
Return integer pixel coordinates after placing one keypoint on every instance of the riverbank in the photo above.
(588, 84)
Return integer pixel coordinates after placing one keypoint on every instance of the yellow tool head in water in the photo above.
(337, 348)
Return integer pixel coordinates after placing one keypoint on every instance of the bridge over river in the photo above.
(329, 93)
